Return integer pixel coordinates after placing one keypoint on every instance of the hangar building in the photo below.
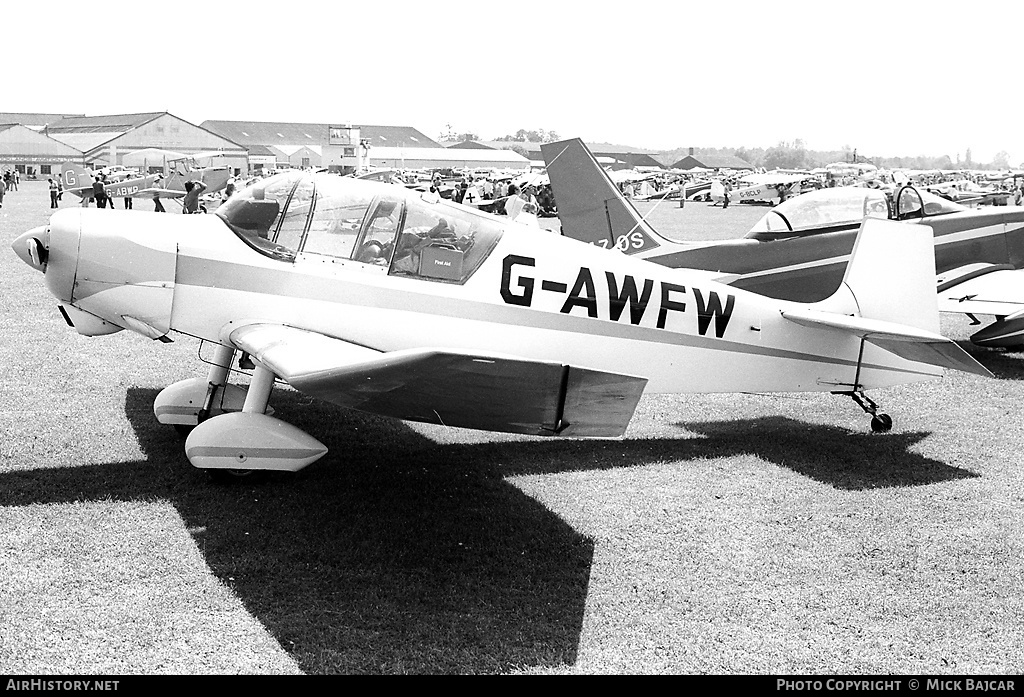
(105, 140)
(350, 147)
(712, 162)
(33, 154)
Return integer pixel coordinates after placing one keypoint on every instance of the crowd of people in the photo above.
(9, 182)
(507, 197)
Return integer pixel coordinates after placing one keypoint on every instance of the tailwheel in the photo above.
(880, 423)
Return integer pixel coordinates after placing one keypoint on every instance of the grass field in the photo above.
(723, 534)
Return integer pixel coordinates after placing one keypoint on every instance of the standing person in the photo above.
(3, 188)
(60, 188)
(127, 203)
(192, 191)
(53, 192)
(158, 183)
(15, 179)
(725, 200)
(99, 193)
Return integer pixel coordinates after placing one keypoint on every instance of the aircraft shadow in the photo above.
(1005, 365)
(835, 456)
(398, 554)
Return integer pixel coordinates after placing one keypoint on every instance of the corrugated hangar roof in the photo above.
(280, 133)
(32, 120)
(113, 123)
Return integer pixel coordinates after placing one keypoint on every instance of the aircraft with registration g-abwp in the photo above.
(402, 304)
(79, 181)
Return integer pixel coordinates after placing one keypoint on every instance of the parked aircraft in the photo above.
(967, 193)
(397, 303)
(760, 188)
(78, 181)
(979, 254)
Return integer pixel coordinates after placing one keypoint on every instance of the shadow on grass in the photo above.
(390, 555)
(1004, 364)
(835, 456)
(395, 554)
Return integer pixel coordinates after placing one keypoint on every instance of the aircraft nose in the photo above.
(53, 249)
(32, 247)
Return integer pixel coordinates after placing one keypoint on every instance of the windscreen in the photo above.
(296, 216)
(824, 208)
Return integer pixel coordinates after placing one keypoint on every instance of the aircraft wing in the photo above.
(449, 387)
(906, 342)
(986, 289)
(157, 192)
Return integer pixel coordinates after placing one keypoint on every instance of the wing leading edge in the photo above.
(452, 388)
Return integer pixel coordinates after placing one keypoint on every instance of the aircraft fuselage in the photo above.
(537, 296)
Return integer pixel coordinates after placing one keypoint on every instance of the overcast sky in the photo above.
(887, 78)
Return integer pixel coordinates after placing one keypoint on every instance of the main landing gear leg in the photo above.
(218, 377)
(256, 401)
(187, 403)
(880, 423)
(230, 446)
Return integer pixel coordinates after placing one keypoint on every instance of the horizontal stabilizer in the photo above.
(906, 342)
(984, 289)
(452, 388)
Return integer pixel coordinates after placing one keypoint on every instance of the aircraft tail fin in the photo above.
(888, 297)
(590, 206)
(891, 274)
(75, 177)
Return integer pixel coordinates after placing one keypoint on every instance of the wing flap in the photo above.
(452, 388)
(906, 342)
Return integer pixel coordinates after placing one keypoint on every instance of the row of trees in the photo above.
(786, 155)
(521, 136)
(795, 155)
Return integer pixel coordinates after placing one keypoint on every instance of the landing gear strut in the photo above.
(880, 423)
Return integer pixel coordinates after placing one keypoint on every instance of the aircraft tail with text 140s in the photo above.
(799, 250)
(401, 304)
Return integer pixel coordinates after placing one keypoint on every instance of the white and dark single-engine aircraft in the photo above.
(799, 250)
(398, 303)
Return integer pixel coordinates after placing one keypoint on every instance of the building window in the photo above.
(44, 169)
(350, 152)
(305, 162)
(20, 168)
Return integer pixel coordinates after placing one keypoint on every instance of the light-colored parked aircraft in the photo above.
(800, 249)
(397, 303)
(79, 181)
(770, 188)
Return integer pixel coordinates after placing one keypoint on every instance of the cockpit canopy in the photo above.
(295, 215)
(842, 207)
